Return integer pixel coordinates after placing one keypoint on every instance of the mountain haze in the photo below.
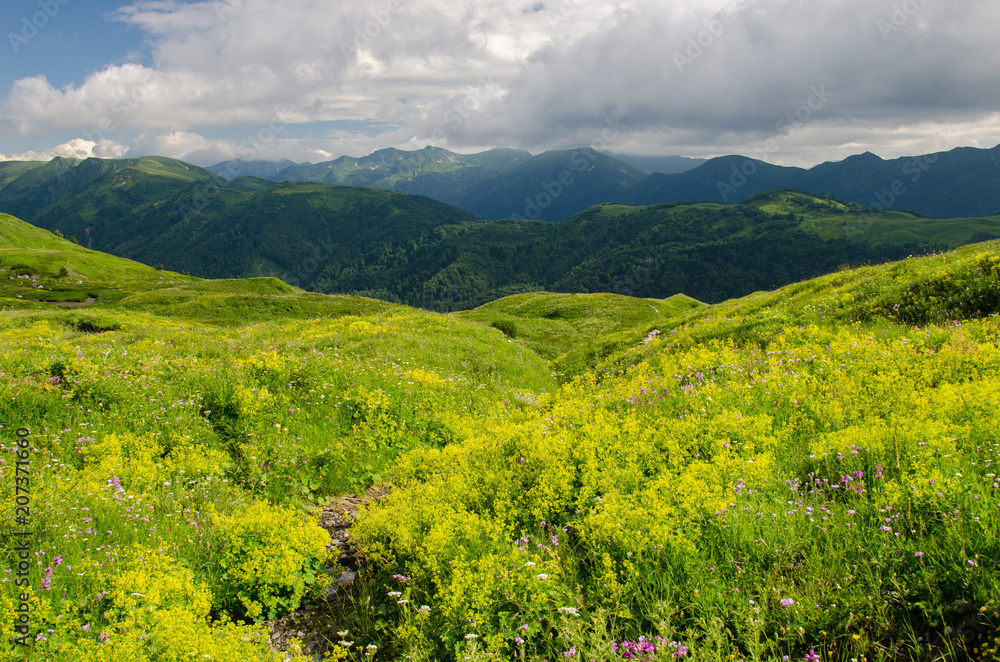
(962, 182)
(499, 183)
(239, 168)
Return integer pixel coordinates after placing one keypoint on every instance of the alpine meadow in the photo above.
(808, 472)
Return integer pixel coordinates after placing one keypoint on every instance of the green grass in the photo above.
(575, 331)
(203, 401)
(553, 479)
(807, 473)
(831, 218)
(44, 254)
(11, 170)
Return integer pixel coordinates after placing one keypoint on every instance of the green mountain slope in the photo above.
(11, 170)
(576, 331)
(964, 181)
(327, 238)
(414, 250)
(743, 485)
(552, 186)
(113, 188)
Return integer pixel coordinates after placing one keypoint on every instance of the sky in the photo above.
(793, 82)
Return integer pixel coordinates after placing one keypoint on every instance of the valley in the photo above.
(413, 250)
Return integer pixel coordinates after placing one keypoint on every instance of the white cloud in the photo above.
(694, 80)
(684, 77)
(265, 145)
(72, 149)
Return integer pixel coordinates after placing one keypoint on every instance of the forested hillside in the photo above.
(417, 251)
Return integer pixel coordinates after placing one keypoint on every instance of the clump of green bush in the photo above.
(270, 558)
(506, 327)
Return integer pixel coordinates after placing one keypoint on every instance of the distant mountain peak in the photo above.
(235, 168)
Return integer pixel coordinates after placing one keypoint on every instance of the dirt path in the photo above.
(314, 623)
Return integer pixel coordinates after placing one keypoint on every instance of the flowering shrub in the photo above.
(749, 498)
(153, 433)
(797, 474)
(269, 560)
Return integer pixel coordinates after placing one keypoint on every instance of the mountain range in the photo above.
(554, 185)
(962, 182)
(413, 249)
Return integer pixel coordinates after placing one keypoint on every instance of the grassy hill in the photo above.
(832, 217)
(11, 170)
(808, 472)
(149, 404)
(576, 331)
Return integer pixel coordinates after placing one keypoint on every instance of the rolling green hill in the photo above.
(414, 250)
(31, 251)
(576, 331)
(176, 377)
(807, 473)
(41, 268)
